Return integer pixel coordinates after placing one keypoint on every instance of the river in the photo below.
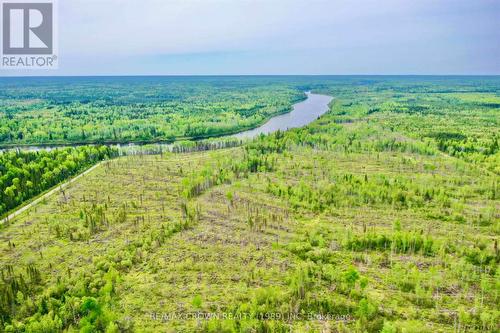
(302, 114)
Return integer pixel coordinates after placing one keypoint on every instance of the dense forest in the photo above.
(24, 175)
(105, 110)
(380, 216)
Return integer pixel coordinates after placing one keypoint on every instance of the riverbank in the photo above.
(301, 113)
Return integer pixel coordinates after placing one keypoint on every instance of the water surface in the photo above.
(302, 114)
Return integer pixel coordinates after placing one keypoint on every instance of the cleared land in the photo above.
(358, 222)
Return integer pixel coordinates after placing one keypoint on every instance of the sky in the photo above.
(243, 37)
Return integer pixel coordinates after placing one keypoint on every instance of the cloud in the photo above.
(290, 36)
(188, 26)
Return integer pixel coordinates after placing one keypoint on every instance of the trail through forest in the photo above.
(48, 194)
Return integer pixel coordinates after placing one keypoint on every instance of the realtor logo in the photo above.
(28, 30)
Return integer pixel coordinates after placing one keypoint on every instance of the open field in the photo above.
(381, 216)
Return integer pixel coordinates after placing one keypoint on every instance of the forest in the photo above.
(383, 215)
(121, 110)
(24, 175)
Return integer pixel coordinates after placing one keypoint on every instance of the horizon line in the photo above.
(248, 75)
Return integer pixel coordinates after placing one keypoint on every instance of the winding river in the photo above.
(302, 114)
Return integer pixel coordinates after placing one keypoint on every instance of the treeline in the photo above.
(229, 169)
(24, 175)
(461, 125)
(137, 110)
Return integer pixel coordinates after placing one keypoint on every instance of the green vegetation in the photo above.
(105, 110)
(381, 216)
(24, 175)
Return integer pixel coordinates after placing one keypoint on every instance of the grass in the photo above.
(345, 225)
(35, 198)
(221, 261)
